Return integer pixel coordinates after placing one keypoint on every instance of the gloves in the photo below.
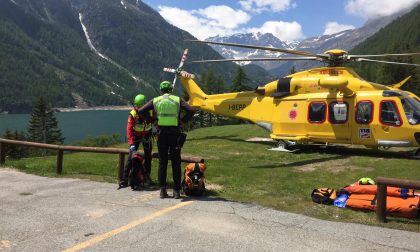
(132, 148)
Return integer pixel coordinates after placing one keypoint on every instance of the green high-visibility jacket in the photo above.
(167, 108)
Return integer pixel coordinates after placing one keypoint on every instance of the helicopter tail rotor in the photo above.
(178, 71)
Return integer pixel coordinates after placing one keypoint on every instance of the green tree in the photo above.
(240, 81)
(43, 126)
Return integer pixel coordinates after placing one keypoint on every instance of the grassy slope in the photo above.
(248, 172)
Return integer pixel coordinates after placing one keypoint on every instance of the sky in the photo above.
(286, 19)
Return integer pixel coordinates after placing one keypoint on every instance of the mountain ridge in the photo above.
(45, 51)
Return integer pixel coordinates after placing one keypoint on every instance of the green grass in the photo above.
(248, 172)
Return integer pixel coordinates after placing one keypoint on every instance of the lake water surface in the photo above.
(75, 125)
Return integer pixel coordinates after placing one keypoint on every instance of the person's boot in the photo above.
(163, 193)
(177, 194)
(122, 184)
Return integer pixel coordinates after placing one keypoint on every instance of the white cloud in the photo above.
(224, 16)
(377, 8)
(204, 23)
(285, 31)
(266, 5)
(334, 27)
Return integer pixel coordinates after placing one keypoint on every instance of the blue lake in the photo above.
(75, 125)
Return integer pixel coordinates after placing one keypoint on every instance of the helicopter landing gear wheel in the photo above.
(283, 146)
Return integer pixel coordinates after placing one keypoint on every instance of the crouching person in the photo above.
(139, 131)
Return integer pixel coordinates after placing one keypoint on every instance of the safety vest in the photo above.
(167, 109)
(140, 126)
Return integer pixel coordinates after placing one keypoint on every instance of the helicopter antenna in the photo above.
(179, 70)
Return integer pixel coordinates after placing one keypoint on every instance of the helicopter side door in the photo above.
(392, 128)
(339, 118)
(364, 124)
(328, 120)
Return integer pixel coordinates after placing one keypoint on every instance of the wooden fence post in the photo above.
(2, 153)
(59, 161)
(121, 166)
(381, 203)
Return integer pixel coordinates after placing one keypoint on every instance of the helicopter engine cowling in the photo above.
(337, 83)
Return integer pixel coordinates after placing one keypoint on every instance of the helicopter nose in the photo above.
(417, 137)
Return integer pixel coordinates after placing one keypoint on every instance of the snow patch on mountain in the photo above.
(89, 41)
(123, 4)
(92, 47)
(257, 39)
(14, 2)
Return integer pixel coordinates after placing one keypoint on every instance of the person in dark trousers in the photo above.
(167, 108)
(138, 131)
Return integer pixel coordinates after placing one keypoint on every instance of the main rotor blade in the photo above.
(383, 55)
(387, 62)
(256, 59)
(260, 47)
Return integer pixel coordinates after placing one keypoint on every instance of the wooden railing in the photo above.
(62, 148)
(383, 183)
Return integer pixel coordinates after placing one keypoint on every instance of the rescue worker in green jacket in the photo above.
(139, 130)
(169, 122)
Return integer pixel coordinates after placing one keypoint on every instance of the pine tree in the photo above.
(43, 126)
(240, 81)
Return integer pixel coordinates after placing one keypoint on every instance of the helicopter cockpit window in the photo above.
(411, 108)
(337, 112)
(317, 111)
(364, 114)
(390, 114)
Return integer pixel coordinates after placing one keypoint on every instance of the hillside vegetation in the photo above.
(44, 51)
(400, 36)
(248, 172)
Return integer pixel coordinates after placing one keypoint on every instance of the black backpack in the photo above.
(136, 177)
(323, 195)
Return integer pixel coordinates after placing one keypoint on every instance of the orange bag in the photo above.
(395, 206)
(194, 179)
(371, 189)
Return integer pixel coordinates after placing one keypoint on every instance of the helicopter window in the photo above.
(364, 114)
(337, 112)
(317, 111)
(390, 114)
(412, 110)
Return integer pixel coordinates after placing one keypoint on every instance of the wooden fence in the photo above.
(383, 183)
(62, 148)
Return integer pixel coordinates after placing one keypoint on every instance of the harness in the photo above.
(140, 127)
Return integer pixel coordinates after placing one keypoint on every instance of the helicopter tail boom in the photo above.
(197, 96)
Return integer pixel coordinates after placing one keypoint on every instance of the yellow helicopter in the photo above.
(330, 104)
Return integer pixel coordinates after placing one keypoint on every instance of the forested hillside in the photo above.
(89, 52)
(402, 35)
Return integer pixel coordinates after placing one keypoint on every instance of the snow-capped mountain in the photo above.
(258, 39)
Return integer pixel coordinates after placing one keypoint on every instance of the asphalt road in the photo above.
(56, 214)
